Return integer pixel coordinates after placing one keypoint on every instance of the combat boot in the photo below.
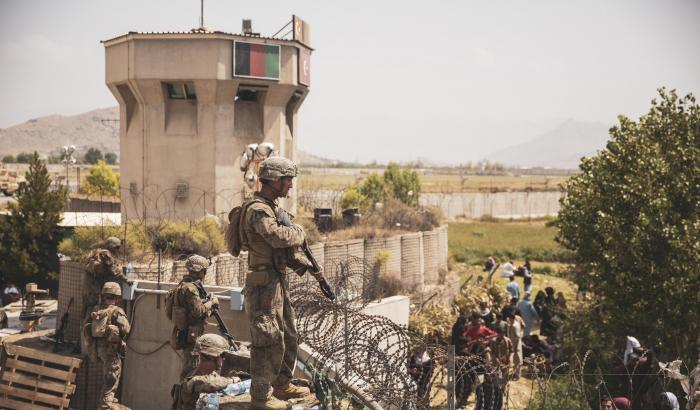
(270, 404)
(290, 391)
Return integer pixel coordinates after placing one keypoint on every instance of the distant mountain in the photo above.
(47, 134)
(96, 128)
(562, 147)
(304, 158)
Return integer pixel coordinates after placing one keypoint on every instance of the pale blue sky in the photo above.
(447, 80)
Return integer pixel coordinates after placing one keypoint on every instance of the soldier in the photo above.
(204, 379)
(102, 267)
(272, 248)
(105, 332)
(189, 311)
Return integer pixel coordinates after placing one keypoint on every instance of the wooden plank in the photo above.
(62, 388)
(67, 361)
(8, 403)
(33, 395)
(40, 370)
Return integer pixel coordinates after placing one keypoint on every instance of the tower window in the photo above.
(181, 91)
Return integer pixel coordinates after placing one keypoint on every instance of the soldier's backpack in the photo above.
(175, 313)
(234, 235)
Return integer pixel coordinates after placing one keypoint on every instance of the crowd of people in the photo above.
(491, 345)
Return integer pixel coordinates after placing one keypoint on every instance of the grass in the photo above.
(444, 183)
(474, 242)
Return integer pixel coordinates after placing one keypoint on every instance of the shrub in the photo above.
(353, 198)
(397, 215)
(101, 180)
(312, 234)
(203, 237)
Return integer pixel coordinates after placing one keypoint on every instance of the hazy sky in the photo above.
(449, 81)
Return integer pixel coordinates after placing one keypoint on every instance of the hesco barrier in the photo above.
(442, 248)
(412, 264)
(430, 257)
(391, 245)
(417, 257)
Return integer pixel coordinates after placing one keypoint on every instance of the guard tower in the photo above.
(190, 102)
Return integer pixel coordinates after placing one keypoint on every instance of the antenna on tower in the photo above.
(201, 13)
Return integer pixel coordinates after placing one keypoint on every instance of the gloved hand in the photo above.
(213, 302)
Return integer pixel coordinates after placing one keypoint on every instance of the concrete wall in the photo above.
(471, 205)
(152, 366)
(165, 142)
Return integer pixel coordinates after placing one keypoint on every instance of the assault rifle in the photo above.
(215, 313)
(59, 337)
(315, 267)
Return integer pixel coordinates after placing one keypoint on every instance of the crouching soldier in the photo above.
(188, 311)
(105, 333)
(204, 378)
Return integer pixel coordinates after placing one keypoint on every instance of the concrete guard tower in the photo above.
(190, 102)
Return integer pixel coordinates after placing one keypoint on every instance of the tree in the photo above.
(111, 158)
(8, 159)
(374, 188)
(101, 180)
(403, 184)
(632, 217)
(23, 158)
(352, 198)
(30, 234)
(93, 155)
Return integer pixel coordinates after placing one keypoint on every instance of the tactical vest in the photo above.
(261, 256)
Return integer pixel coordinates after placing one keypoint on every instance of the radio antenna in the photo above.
(201, 13)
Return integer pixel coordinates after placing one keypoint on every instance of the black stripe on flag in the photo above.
(242, 59)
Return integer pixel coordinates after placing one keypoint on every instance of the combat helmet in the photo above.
(274, 168)
(210, 344)
(112, 288)
(113, 243)
(196, 263)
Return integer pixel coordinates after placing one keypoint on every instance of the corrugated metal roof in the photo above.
(199, 32)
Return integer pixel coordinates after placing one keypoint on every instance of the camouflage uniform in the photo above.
(270, 248)
(109, 350)
(102, 267)
(196, 312)
(195, 384)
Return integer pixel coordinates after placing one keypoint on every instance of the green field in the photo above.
(474, 242)
(444, 183)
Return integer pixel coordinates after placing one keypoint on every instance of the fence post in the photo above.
(451, 377)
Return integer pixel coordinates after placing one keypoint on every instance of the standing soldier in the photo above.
(105, 334)
(272, 248)
(102, 267)
(189, 311)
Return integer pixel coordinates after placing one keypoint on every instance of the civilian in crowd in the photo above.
(513, 288)
(527, 276)
(487, 316)
(528, 313)
(515, 333)
(507, 270)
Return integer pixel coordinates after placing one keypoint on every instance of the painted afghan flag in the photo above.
(256, 60)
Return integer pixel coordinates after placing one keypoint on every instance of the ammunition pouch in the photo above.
(180, 317)
(259, 278)
(178, 338)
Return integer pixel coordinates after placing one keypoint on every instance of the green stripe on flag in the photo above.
(272, 61)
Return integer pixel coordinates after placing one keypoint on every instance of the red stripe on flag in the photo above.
(257, 60)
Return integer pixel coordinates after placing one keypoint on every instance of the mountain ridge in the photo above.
(561, 147)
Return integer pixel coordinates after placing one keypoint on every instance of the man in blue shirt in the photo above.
(513, 288)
